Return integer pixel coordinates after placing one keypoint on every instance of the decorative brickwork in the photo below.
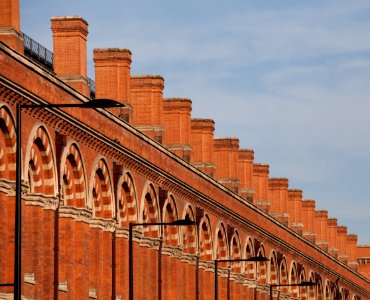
(88, 173)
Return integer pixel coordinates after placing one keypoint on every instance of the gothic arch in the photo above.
(149, 210)
(40, 162)
(261, 265)
(205, 239)
(249, 267)
(170, 236)
(283, 274)
(302, 277)
(73, 177)
(126, 200)
(319, 289)
(327, 293)
(221, 244)
(189, 233)
(7, 174)
(345, 294)
(311, 290)
(293, 279)
(101, 190)
(273, 270)
(7, 144)
(235, 252)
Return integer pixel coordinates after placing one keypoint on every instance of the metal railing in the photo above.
(91, 84)
(37, 52)
(45, 57)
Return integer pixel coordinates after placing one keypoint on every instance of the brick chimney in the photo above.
(342, 244)
(332, 237)
(176, 120)
(321, 228)
(352, 251)
(363, 258)
(201, 142)
(295, 210)
(112, 77)
(69, 47)
(245, 173)
(308, 219)
(147, 102)
(260, 186)
(10, 25)
(225, 157)
(278, 196)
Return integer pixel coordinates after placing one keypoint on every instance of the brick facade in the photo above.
(87, 174)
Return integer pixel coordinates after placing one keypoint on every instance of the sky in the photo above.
(290, 79)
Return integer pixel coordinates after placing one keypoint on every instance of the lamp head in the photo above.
(307, 283)
(257, 259)
(183, 222)
(103, 103)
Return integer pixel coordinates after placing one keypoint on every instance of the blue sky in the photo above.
(290, 79)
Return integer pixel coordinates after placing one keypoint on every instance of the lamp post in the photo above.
(303, 283)
(130, 247)
(254, 259)
(95, 103)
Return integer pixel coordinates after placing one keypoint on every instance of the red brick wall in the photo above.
(114, 160)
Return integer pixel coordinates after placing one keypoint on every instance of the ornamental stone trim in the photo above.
(77, 214)
(103, 224)
(30, 278)
(44, 201)
(92, 293)
(7, 187)
(6, 296)
(172, 251)
(63, 286)
(148, 242)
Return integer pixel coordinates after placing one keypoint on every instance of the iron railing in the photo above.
(37, 52)
(91, 84)
(45, 57)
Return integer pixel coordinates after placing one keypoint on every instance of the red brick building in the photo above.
(88, 173)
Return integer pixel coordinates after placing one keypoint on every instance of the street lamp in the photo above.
(94, 103)
(181, 222)
(303, 283)
(255, 259)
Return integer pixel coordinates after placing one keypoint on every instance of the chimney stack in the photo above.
(352, 251)
(332, 237)
(295, 210)
(176, 120)
(225, 157)
(260, 186)
(342, 244)
(112, 77)
(363, 258)
(69, 47)
(10, 32)
(147, 102)
(245, 173)
(308, 219)
(278, 196)
(201, 141)
(321, 227)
